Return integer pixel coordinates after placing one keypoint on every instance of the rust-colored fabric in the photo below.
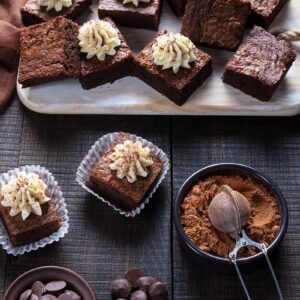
(10, 22)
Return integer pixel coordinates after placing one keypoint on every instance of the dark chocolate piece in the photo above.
(145, 15)
(37, 288)
(49, 51)
(177, 87)
(95, 72)
(120, 288)
(133, 276)
(65, 297)
(145, 282)
(25, 295)
(265, 11)
(158, 291)
(138, 295)
(34, 297)
(55, 286)
(33, 13)
(260, 64)
(216, 23)
(178, 6)
(120, 192)
(48, 297)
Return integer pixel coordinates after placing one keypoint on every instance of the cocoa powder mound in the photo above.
(262, 227)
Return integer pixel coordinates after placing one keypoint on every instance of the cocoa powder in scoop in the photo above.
(262, 227)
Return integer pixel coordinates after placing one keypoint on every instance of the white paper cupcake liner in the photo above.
(56, 195)
(98, 149)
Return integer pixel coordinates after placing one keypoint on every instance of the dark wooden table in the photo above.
(102, 244)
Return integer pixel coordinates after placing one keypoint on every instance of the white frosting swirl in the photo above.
(99, 38)
(135, 2)
(130, 160)
(24, 194)
(56, 4)
(173, 50)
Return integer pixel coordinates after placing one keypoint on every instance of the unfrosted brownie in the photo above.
(123, 194)
(34, 227)
(33, 13)
(216, 23)
(145, 15)
(260, 64)
(95, 72)
(178, 6)
(49, 51)
(177, 87)
(264, 11)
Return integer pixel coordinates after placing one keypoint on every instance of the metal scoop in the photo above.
(242, 240)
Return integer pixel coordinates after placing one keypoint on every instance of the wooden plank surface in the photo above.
(102, 244)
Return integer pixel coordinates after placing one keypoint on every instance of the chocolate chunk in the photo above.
(65, 297)
(25, 295)
(133, 275)
(37, 288)
(120, 288)
(145, 282)
(34, 297)
(74, 295)
(48, 297)
(158, 291)
(139, 295)
(55, 286)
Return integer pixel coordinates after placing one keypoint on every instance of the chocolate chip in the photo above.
(133, 275)
(55, 286)
(120, 288)
(37, 288)
(138, 295)
(74, 295)
(158, 291)
(48, 297)
(34, 297)
(65, 297)
(145, 282)
(25, 295)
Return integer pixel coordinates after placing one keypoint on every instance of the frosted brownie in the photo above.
(33, 13)
(49, 51)
(260, 64)
(216, 23)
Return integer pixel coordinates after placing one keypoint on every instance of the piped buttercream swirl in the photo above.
(55, 4)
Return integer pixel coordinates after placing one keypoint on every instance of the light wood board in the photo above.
(132, 96)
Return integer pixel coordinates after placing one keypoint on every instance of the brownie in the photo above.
(264, 11)
(32, 13)
(178, 6)
(95, 72)
(121, 193)
(34, 227)
(49, 51)
(216, 23)
(177, 87)
(145, 15)
(260, 64)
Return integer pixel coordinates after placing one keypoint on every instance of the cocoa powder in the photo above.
(262, 227)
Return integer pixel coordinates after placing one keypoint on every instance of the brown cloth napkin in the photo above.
(10, 22)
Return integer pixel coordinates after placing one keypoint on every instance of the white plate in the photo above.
(132, 96)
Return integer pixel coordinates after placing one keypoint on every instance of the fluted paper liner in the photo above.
(98, 149)
(54, 192)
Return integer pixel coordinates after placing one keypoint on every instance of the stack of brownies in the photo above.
(55, 47)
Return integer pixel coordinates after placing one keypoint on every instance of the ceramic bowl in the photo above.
(49, 273)
(214, 262)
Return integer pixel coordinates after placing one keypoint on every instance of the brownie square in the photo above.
(177, 87)
(216, 23)
(178, 6)
(145, 15)
(95, 72)
(49, 51)
(260, 64)
(121, 193)
(265, 11)
(32, 13)
(34, 227)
